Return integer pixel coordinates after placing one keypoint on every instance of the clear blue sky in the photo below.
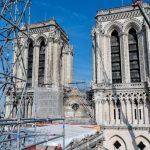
(76, 17)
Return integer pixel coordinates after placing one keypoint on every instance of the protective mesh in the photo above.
(48, 102)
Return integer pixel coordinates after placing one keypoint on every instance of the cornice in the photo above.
(120, 13)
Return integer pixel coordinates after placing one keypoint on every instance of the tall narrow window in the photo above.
(115, 58)
(135, 114)
(134, 56)
(140, 112)
(114, 114)
(41, 64)
(30, 64)
(119, 113)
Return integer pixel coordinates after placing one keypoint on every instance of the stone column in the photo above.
(148, 46)
(56, 58)
(123, 112)
(70, 66)
(112, 121)
(107, 49)
(124, 52)
(99, 57)
(35, 65)
(146, 113)
(49, 67)
(26, 108)
(107, 112)
(103, 112)
(100, 112)
(96, 112)
(94, 60)
(141, 56)
(129, 112)
(47, 57)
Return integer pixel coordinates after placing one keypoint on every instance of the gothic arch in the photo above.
(32, 39)
(41, 38)
(117, 138)
(110, 27)
(144, 140)
(132, 23)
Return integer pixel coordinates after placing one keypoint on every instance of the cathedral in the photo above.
(121, 77)
(48, 60)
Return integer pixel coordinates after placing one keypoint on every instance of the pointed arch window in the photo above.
(115, 58)
(30, 64)
(134, 56)
(41, 64)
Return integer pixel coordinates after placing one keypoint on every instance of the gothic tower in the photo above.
(121, 71)
(48, 60)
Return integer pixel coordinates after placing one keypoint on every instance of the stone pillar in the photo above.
(100, 112)
(35, 65)
(107, 112)
(103, 112)
(56, 75)
(141, 56)
(26, 108)
(107, 48)
(124, 52)
(148, 46)
(96, 112)
(129, 112)
(69, 67)
(112, 121)
(99, 57)
(47, 57)
(146, 113)
(49, 67)
(123, 112)
(94, 59)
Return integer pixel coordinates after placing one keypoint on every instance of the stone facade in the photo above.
(47, 60)
(77, 106)
(121, 71)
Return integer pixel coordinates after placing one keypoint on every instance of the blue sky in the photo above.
(76, 17)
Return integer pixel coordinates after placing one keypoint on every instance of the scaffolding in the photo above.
(15, 26)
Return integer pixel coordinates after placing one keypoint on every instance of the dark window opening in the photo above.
(114, 114)
(134, 56)
(115, 58)
(117, 145)
(141, 146)
(119, 113)
(75, 106)
(41, 64)
(135, 113)
(140, 112)
(30, 64)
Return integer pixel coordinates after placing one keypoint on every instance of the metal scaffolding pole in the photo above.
(14, 37)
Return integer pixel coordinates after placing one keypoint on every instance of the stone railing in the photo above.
(139, 85)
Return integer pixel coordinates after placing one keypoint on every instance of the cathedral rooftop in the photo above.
(47, 23)
(119, 10)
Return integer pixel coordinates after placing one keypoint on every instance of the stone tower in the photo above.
(48, 61)
(121, 71)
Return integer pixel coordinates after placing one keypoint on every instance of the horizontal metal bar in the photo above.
(38, 143)
(30, 121)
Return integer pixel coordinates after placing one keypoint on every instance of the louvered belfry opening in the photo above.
(115, 58)
(134, 56)
(30, 64)
(41, 64)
